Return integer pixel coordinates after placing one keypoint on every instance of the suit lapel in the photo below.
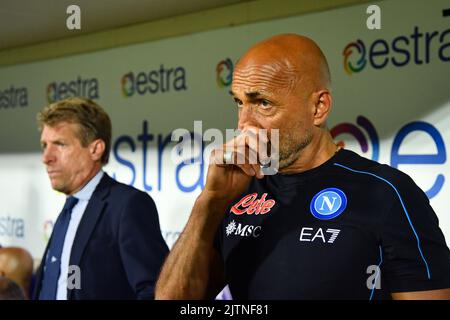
(91, 215)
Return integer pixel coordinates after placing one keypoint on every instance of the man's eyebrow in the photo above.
(250, 95)
(253, 94)
(57, 140)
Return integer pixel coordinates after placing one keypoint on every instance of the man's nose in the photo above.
(47, 155)
(246, 117)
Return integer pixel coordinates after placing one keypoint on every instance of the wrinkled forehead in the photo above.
(62, 129)
(269, 76)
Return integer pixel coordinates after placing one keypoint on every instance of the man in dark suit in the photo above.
(106, 242)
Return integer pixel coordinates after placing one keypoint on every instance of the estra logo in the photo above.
(13, 97)
(79, 87)
(251, 205)
(154, 81)
(418, 48)
(48, 228)
(12, 227)
(224, 73)
(366, 136)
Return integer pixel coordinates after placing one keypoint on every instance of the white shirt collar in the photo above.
(86, 192)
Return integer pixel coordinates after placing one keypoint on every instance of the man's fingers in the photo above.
(247, 151)
(223, 158)
(248, 170)
(257, 140)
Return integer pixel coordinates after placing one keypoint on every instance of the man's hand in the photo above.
(194, 268)
(228, 179)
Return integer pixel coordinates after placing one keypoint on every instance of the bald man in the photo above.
(17, 265)
(329, 225)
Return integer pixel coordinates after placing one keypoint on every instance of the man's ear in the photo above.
(97, 148)
(323, 104)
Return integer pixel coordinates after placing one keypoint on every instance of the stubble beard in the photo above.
(292, 148)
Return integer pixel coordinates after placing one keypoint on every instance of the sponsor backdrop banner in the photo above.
(391, 104)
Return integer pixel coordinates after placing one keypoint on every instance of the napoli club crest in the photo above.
(328, 203)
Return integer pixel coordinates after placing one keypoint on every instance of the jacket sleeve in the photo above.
(142, 247)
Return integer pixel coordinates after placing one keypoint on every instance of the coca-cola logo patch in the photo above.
(251, 205)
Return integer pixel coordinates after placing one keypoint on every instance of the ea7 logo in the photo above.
(242, 230)
(311, 235)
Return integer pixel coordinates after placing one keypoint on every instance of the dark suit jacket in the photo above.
(118, 245)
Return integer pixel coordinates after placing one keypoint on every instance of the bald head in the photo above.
(283, 83)
(290, 60)
(17, 265)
